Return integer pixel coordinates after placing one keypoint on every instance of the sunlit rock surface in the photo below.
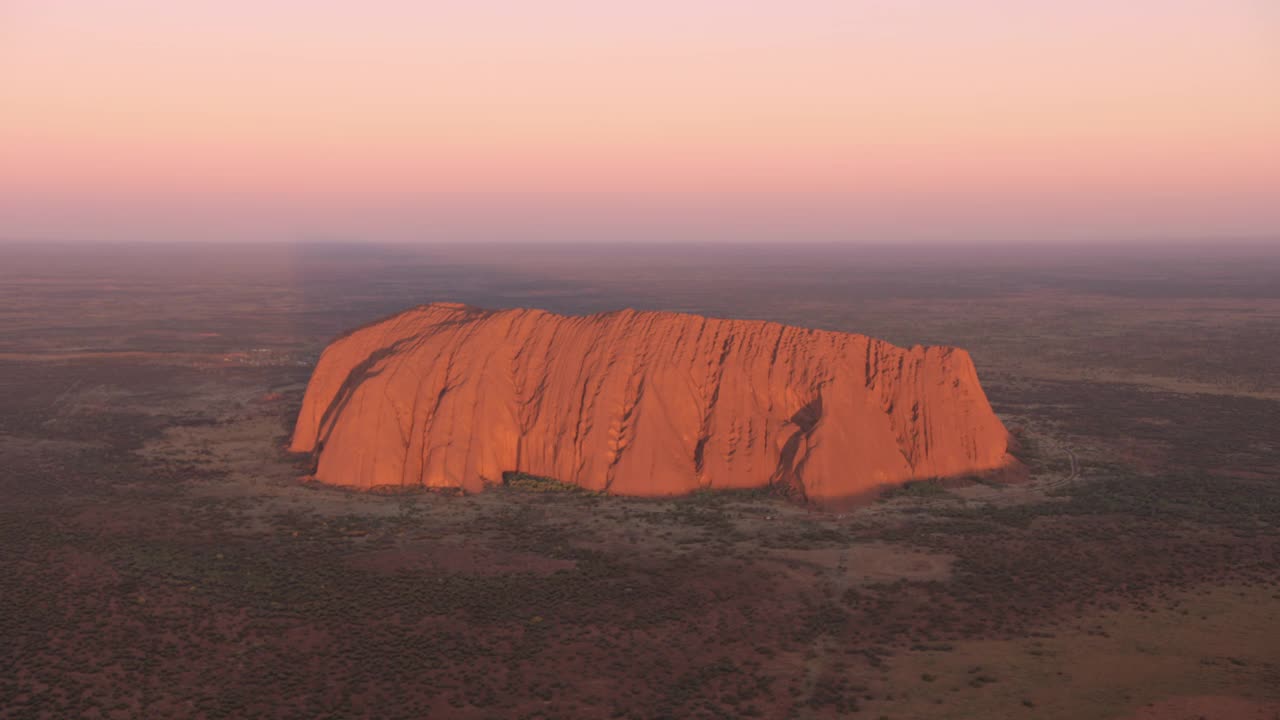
(639, 403)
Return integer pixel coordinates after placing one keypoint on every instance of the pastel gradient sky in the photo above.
(852, 120)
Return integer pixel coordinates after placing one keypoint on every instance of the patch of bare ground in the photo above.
(1215, 644)
(455, 558)
(865, 564)
(1209, 707)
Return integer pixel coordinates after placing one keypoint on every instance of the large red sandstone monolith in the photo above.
(639, 403)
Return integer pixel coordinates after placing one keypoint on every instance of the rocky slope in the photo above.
(639, 403)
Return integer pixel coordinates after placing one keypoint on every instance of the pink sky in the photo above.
(861, 120)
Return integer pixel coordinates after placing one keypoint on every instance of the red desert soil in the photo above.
(639, 403)
(456, 558)
(1208, 708)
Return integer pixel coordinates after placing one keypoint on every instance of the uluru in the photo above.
(639, 403)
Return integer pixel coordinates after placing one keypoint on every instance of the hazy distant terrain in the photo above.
(162, 559)
(1185, 314)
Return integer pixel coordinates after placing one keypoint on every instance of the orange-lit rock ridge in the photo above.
(639, 403)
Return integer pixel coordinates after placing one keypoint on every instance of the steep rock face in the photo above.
(639, 403)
